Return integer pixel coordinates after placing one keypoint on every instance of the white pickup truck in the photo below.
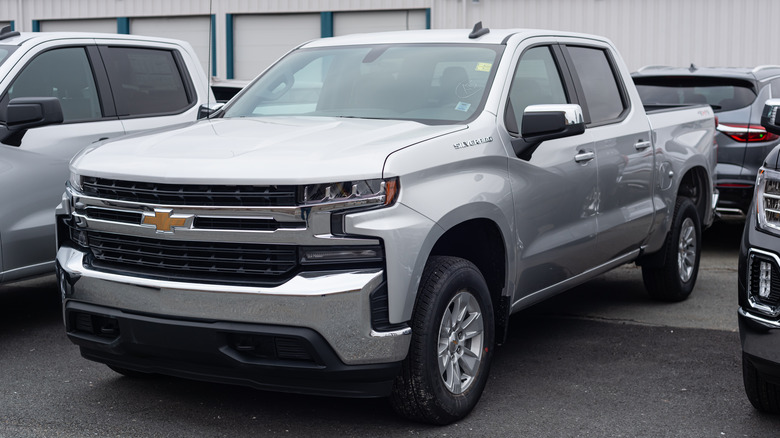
(364, 217)
(60, 92)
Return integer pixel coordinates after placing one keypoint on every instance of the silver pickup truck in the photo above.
(364, 217)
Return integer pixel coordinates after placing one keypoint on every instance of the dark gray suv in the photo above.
(737, 95)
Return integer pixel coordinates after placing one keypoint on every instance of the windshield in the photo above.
(720, 93)
(428, 83)
(5, 51)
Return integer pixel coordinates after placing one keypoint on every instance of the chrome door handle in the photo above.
(584, 157)
(642, 145)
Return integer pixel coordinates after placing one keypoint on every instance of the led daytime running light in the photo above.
(768, 200)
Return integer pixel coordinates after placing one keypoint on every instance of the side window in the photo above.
(537, 80)
(145, 81)
(62, 73)
(599, 84)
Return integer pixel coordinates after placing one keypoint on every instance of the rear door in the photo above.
(151, 85)
(623, 146)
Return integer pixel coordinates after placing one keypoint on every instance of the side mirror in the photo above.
(547, 122)
(24, 113)
(770, 116)
(207, 111)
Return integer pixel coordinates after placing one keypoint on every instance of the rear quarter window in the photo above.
(721, 94)
(146, 81)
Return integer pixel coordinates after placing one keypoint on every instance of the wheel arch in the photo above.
(696, 185)
(481, 242)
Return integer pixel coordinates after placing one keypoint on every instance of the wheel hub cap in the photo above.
(461, 342)
(686, 250)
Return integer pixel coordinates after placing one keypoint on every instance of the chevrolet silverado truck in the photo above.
(364, 217)
(62, 91)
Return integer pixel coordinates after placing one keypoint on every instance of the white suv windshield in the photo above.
(429, 83)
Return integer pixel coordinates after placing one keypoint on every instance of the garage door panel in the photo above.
(99, 25)
(345, 23)
(259, 40)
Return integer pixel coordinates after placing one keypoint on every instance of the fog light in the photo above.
(79, 237)
(326, 255)
(765, 280)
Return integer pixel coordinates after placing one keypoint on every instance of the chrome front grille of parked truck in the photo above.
(222, 262)
(190, 194)
(231, 235)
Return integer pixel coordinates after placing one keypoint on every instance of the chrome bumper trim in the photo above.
(403, 332)
(335, 304)
(765, 322)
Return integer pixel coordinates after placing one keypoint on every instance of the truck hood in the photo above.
(288, 150)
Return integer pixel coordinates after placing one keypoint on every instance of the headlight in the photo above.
(768, 200)
(75, 181)
(348, 194)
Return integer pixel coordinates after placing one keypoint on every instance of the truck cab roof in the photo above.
(458, 36)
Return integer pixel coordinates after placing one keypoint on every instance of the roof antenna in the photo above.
(6, 32)
(692, 68)
(478, 31)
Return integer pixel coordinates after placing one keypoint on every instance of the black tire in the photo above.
(763, 395)
(674, 280)
(423, 392)
(133, 374)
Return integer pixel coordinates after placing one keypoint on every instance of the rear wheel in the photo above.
(446, 370)
(763, 395)
(675, 279)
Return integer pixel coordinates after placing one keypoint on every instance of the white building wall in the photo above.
(665, 32)
(103, 25)
(668, 32)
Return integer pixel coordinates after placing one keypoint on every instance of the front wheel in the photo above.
(674, 280)
(446, 370)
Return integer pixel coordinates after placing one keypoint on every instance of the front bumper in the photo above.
(312, 334)
(759, 331)
(760, 339)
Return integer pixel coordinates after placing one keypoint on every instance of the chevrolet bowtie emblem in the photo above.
(164, 221)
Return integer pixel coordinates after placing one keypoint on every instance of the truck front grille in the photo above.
(189, 194)
(210, 262)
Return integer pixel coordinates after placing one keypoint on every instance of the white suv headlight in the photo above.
(768, 200)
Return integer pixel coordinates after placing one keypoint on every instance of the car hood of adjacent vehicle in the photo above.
(269, 150)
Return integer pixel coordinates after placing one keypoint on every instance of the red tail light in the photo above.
(747, 133)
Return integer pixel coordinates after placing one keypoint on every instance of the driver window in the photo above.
(536, 81)
(62, 73)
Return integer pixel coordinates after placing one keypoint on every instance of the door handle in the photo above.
(642, 145)
(584, 156)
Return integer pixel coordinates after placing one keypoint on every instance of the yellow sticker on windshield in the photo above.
(484, 66)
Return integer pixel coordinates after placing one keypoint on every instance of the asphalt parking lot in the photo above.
(601, 360)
